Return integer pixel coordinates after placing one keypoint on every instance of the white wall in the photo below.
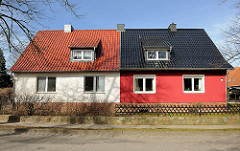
(70, 86)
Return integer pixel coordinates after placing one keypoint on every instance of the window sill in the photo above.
(193, 92)
(94, 92)
(157, 59)
(82, 60)
(144, 92)
(46, 92)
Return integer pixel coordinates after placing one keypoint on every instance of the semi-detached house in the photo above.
(124, 65)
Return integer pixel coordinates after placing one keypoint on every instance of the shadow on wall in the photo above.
(23, 86)
(74, 92)
(127, 94)
(73, 101)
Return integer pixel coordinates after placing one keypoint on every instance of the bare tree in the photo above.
(231, 42)
(231, 45)
(14, 55)
(17, 18)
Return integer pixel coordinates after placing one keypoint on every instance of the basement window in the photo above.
(94, 84)
(193, 83)
(144, 84)
(46, 84)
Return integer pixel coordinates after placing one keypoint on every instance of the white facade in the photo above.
(70, 86)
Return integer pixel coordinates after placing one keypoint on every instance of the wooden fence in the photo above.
(127, 109)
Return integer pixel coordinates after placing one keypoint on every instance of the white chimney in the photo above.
(120, 27)
(173, 27)
(68, 28)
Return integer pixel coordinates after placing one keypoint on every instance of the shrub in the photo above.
(6, 97)
(28, 104)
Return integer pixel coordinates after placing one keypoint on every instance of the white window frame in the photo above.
(46, 85)
(157, 55)
(94, 84)
(192, 79)
(144, 77)
(82, 54)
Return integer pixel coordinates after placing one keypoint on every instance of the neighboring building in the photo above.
(71, 65)
(156, 66)
(233, 84)
(171, 65)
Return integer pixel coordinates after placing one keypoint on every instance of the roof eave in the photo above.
(155, 69)
(65, 71)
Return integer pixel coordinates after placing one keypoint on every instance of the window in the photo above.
(193, 83)
(162, 54)
(87, 55)
(94, 84)
(152, 55)
(157, 55)
(82, 55)
(144, 83)
(46, 84)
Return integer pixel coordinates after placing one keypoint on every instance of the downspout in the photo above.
(94, 54)
(120, 51)
(120, 67)
(226, 86)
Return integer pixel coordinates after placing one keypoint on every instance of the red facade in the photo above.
(169, 87)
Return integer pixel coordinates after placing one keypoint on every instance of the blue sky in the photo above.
(105, 14)
(212, 15)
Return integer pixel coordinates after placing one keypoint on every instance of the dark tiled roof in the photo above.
(84, 42)
(191, 49)
(155, 42)
(53, 53)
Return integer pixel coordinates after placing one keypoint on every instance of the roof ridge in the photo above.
(163, 29)
(81, 30)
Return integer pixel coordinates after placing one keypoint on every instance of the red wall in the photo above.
(169, 88)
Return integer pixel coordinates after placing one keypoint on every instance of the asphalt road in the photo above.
(123, 140)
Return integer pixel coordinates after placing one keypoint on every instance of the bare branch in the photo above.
(23, 15)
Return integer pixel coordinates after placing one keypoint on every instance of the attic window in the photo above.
(156, 48)
(84, 49)
(82, 55)
(157, 55)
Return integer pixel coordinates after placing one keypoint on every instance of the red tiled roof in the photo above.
(233, 77)
(84, 42)
(53, 53)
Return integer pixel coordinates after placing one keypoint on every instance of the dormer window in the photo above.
(155, 48)
(83, 55)
(157, 55)
(84, 50)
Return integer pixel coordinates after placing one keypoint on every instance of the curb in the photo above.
(102, 132)
(128, 120)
